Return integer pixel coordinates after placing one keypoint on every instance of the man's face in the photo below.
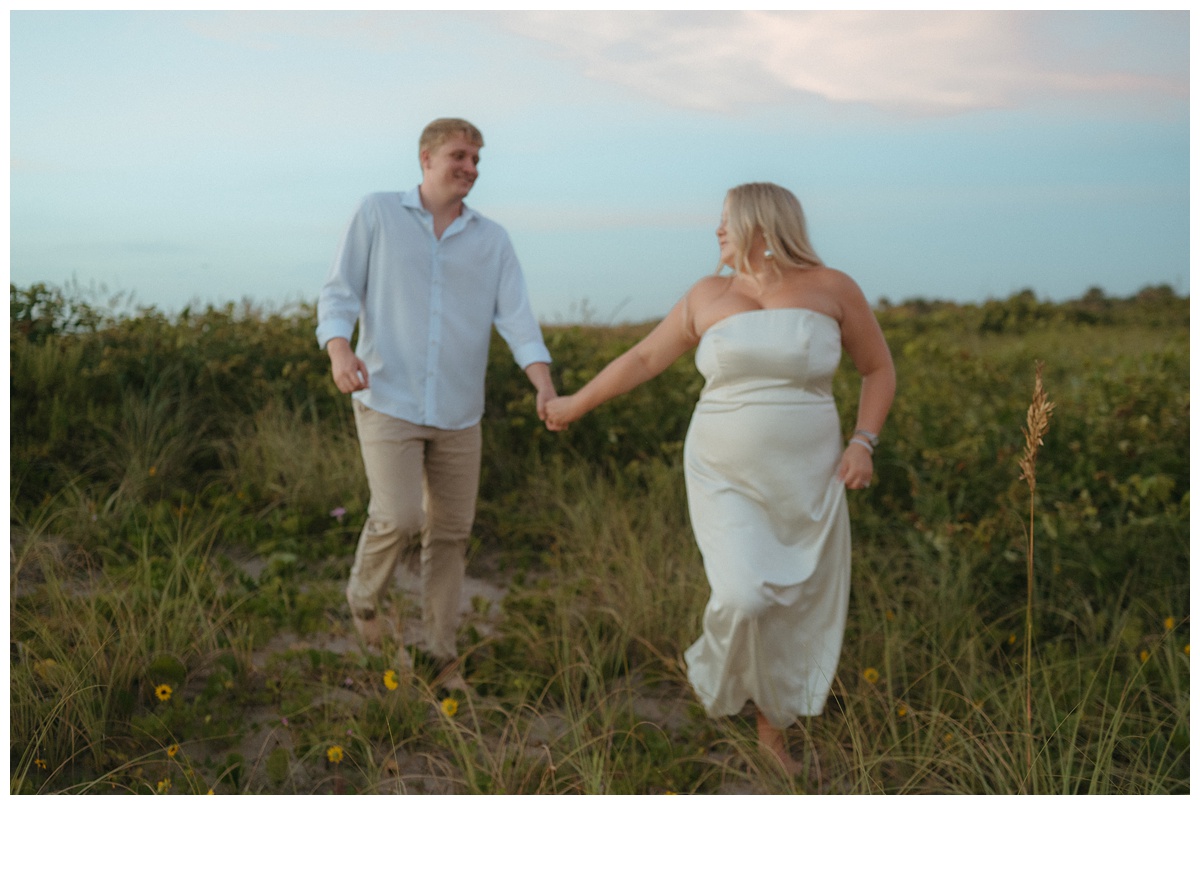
(451, 168)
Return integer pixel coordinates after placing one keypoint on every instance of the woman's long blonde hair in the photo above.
(776, 213)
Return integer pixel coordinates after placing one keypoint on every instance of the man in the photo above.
(425, 277)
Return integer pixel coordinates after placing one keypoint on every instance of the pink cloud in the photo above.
(911, 62)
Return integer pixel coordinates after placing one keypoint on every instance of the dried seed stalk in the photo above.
(1037, 421)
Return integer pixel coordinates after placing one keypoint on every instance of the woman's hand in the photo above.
(560, 412)
(857, 467)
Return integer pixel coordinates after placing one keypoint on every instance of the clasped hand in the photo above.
(560, 412)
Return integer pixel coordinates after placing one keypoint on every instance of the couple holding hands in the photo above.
(426, 278)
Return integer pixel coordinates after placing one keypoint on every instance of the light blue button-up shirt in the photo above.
(426, 307)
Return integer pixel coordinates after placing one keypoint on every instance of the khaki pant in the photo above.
(422, 480)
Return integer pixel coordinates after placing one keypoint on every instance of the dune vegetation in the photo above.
(186, 494)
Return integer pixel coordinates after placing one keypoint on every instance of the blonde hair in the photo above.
(774, 212)
(443, 129)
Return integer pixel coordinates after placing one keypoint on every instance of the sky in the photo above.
(192, 157)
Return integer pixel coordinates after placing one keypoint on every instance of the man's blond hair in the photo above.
(443, 129)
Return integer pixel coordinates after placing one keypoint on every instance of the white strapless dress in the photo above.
(769, 514)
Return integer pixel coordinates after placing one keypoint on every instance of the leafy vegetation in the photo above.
(186, 495)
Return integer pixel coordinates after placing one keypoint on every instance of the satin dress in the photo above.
(769, 514)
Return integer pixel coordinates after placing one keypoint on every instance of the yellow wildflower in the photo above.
(40, 763)
(163, 692)
(902, 710)
(172, 750)
(153, 470)
(890, 615)
(1144, 655)
(164, 785)
(335, 754)
(1169, 623)
(389, 680)
(1012, 638)
(450, 707)
(871, 675)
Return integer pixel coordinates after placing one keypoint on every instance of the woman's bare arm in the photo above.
(863, 340)
(669, 340)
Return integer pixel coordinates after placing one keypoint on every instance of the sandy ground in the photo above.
(409, 773)
(405, 772)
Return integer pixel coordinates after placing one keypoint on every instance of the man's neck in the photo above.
(443, 211)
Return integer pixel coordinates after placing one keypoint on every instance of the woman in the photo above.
(766, 468)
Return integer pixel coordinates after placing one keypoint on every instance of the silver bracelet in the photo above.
(872, 438)
(862, 442)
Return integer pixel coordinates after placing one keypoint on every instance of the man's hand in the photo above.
(544, 395)
(349, 372)
(539, 376)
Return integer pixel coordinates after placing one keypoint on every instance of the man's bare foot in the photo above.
(367, 621)
(449, 676)
(369, 626)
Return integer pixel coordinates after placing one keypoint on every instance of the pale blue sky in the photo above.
(210, 156)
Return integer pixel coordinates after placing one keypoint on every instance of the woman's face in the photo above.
(725, 240)
(729, 243)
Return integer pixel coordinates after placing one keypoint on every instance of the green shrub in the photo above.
(152, 454)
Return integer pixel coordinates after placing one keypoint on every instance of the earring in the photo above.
(769, 254)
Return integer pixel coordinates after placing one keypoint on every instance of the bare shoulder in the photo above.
(841, 288)
(707, 289)
(694, 310)
(703, 294)
(838, 282)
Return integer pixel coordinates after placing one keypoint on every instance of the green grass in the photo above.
(199, 543)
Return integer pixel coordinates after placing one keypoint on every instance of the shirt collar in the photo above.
(412, 200)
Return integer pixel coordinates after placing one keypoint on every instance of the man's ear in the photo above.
(424, 157)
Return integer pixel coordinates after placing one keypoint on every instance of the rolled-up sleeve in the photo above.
(344, 293)
(514, 318)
